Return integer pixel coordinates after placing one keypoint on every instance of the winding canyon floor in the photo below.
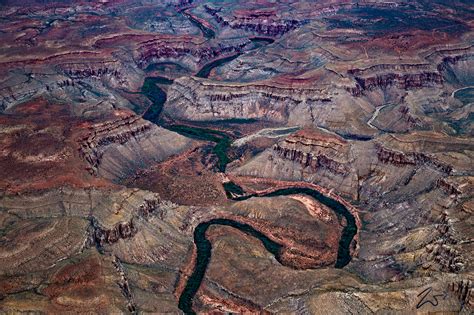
(179, 156)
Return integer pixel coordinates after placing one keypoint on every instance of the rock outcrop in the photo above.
(196, 99)
(312, 150)
(263, 23)
(409, 158)
(100, 235)
(116, 148)
(400, 81)
(158, 50)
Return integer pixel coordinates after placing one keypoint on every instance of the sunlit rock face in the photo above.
(294, 157)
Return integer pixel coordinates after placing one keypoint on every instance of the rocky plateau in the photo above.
(256, 157)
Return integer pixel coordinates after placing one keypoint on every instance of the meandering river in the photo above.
(206, 70)
(203, 247)
(465, 94)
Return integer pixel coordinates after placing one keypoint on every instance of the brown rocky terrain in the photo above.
(195, 185)
(294, 157)
(407, 179)
(117, 148)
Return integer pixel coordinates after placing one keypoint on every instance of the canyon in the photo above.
(183, 157)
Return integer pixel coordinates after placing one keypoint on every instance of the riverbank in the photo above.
(203, 248)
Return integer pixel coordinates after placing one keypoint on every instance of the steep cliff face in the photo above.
(69, 81)
(408, 117)
(118, 131)
(264, 23)
(100, 235)
(442, 253)
(454, 59)
(458, 68)
(400, 81)
(112, 215)
(309, 160)
(464, 291)
(310, 155)
(409, 158)
(439, 68)
(119, 147)
(77, 223)
(390, 67)
(97, 71)
(448, 187)
(194, 99)
(315, 150)
(367, 170)
(426, 148)
(162, 50)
